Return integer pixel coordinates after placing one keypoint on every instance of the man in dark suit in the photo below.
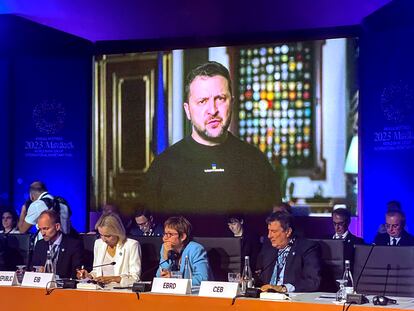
(341, 218)
(289, 264)
(66, 252)
(3, 265)
(396, 234)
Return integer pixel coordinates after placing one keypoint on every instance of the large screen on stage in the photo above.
(295, 101)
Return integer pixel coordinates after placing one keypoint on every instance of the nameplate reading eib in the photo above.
(171, 286)
(219, 289)
(37, 279)
(8, 278)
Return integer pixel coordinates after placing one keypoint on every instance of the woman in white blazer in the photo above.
(118, 258)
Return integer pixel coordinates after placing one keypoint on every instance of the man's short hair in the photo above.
(208, 69)
(143, 212)
(393, 206)
(284, 218)
(343, 212)
(180, 224)
(286, 207)
(38, 186)
(235, 217)
(53, 215)
(395, 213)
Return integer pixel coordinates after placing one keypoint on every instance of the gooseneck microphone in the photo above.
(383, 300)
(105, 264)
(173, 256)
(365, 264)
(386, 279)
(273, 262)
(32, 240)
(359, 298)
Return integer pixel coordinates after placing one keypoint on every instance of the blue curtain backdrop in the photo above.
(5, 154)
(387, 114)
(45, 99)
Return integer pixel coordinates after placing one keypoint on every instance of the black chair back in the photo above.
(88, 244)
(16, 250)
(396, 261)
(150, 250)
(332, 263)
(223, 255)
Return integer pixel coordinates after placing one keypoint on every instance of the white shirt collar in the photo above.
(343, 236)
(397, 240)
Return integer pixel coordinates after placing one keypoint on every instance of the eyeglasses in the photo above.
(392, 226)
(339, 224)
(142, 224)
(169, 234)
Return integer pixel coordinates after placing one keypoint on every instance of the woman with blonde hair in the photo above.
(114, 247)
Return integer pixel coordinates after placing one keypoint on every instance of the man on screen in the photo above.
(211, 170)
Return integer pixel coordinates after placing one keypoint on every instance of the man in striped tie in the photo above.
(66, 252)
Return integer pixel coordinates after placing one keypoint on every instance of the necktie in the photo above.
(394, 242)
(54, 253)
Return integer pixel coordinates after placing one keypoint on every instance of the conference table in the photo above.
(25, 298)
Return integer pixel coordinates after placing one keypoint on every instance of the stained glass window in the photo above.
(276, 101)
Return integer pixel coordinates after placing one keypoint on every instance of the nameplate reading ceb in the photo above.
(171, 286)
(219, 289)
(37, 279)
(8, 278)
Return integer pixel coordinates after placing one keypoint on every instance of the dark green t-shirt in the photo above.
(193, 178)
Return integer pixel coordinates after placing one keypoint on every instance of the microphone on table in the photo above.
(383, 300)
(360, 298)
(173, 256)
(137, 287)
(273, 262)
(105, 264)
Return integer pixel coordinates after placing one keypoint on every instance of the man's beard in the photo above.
(203, 133)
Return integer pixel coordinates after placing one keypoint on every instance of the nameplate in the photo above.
(38, 279)
(171, 286)
(219, 289)
(8, 278)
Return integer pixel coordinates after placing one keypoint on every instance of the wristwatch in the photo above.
(283, 289)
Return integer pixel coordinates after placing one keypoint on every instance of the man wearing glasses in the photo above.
(143, 224)
(396, 234)
(177, 245)
(341, 218)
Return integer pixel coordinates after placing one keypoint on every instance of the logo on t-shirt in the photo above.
(214, 169)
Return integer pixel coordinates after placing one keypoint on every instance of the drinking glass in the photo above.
(21, 269)
(341, 293)
(233, 277)
(176, 274)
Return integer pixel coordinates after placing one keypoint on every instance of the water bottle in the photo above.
(247, 278)
(349, 281)
(188, 274)
(49, 266)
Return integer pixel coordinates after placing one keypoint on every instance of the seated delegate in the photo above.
(176, 238)
(289, 264)
(114, 246)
